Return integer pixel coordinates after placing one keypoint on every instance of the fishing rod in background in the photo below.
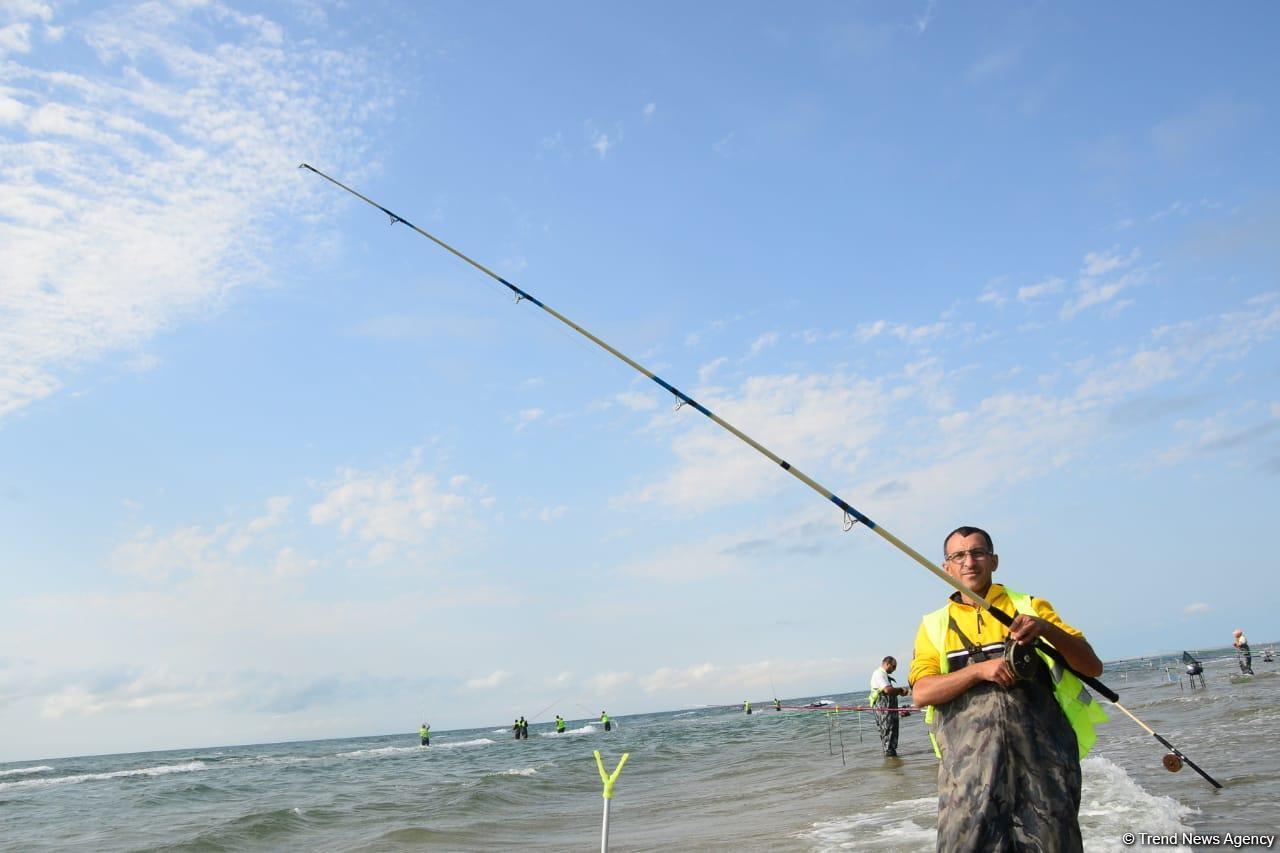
(1175, 758)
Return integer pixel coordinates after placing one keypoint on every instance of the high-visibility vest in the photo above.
(1083, 713)
(875, 691)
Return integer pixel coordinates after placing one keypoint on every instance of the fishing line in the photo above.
(851, 515)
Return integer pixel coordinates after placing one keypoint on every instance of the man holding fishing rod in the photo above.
(1011, 726)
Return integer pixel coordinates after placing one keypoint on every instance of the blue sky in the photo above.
(273, 470)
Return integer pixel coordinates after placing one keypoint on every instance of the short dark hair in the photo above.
(890, 659)
(966, 530)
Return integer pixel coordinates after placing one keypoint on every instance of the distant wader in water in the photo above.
(425, 734)
(604, 718)
(884, 695)
(1244, 656)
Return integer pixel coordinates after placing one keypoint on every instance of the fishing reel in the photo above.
(1171, 762)
(1022, 659)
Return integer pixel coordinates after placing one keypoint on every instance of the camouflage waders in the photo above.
(887, 723)
(1010, 773)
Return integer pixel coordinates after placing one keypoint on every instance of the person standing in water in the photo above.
(524, 728)
(559, 724)
(425, 734)
(884, 694)
(516, 728)
(746, 707)
(604, 718)
(1244, 656)
(777, 704)
(1011, 726)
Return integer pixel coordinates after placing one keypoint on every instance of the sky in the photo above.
(273, 469)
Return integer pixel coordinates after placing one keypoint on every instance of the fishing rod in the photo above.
(851, 515)
(545, 710)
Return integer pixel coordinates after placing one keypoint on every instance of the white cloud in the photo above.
(649, 109)
(600, 141)
(393, 508)
(1197, 607)
(637, 401)
(993, 297)
(549, 514)
(608, 682)
(276, 509)
(152, 690)
(487, 682)
(187, 549)
(527, 416)
(15, 38)
(144, 189)
(922, 21)
(1034, 291)
(290, 564)
(667, 678)
(194, 550)
(904, 332)
(768, 339)
(722, 147)
(758, 675)
(706, 371)
(827, 417)
(1092, 289)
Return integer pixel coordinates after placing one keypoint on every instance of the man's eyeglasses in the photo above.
(978, 554)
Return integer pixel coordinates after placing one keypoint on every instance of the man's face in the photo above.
(890, 666)
(973, 573)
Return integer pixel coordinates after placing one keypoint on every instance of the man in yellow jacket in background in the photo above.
(1010, 726)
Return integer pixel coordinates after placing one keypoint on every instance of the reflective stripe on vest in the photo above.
(1082, 712)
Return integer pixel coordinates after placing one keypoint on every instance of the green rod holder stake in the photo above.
(608, 779)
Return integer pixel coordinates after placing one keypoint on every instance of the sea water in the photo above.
(704, 779)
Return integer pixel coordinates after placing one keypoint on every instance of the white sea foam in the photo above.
(1112, 804)
(585, 730)
(26, 771)
(480, 741)
(386, 750)
(528, 771)
(903, 825)
(163, 770)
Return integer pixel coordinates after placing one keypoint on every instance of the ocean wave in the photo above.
(25, 771)
(585, 730)
(528, 771)
(386, 750)
(480, 741)
(162, 770)
(1112, 804)
(901, 825)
